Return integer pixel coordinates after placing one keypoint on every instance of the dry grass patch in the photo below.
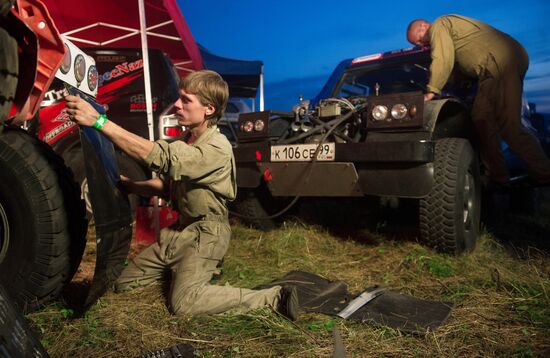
(501, 303)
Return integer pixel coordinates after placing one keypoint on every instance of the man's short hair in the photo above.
(210, 88)
(413, 24)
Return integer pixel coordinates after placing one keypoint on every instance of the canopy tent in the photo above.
(243, 77)
(117, 24)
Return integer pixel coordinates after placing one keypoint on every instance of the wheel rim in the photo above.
(468, 202)
(86, 195)
(4, 233)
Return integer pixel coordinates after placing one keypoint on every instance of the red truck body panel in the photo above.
(46, 57)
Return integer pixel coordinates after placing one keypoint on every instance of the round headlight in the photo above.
(248, 126)
(399, 111)
(92, 78)
(79, 68)
(66, 64)
(259, 125)
(380, 113)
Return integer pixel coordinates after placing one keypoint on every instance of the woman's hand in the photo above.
(80, 111)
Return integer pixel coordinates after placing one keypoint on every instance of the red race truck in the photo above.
(42, 217)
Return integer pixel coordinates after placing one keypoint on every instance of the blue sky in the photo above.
(300, 42)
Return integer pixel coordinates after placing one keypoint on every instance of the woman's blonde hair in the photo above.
(210, 89)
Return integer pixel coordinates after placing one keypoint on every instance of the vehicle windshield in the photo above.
(400, 78)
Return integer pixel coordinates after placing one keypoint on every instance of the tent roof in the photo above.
(116, 24)
(243, 77)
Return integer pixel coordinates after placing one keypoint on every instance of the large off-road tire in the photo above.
(42, 220)
(253, 205)
(127, 167)
(450, 214)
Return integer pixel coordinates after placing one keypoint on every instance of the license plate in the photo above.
(302, 152)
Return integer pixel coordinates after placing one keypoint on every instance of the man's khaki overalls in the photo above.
(499, 63)
(201, 179)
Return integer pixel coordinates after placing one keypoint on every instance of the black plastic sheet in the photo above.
(112, 213)
(390, 309)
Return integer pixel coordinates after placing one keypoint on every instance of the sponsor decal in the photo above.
(137, 103)
(120, 69)
(52, 97)
(92, 78)
(65, 125)
(110, 58)
(113, 90)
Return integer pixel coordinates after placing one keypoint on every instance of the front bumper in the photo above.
(396, 168)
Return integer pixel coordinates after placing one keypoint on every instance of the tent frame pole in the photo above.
(148, 98)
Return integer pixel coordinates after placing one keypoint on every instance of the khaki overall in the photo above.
(201, 179)
(499, 64)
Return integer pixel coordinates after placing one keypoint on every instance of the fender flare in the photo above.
(448, 117)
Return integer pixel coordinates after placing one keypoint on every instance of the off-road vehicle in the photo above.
(369, 133)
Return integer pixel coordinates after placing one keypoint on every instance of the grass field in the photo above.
(502, 304)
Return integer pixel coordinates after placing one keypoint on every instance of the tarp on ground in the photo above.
(242, 76)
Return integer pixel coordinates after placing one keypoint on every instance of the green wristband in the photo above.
(101, 120)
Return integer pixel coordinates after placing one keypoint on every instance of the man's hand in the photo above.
(150, 187)
(125, 184)
(428, 96)
(80, 111)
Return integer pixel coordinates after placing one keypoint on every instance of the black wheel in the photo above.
(127, 167)
(42, 220)
(450, 214)
(255, 204)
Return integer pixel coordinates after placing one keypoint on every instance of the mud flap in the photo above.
(112, 214)
(387, 308)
